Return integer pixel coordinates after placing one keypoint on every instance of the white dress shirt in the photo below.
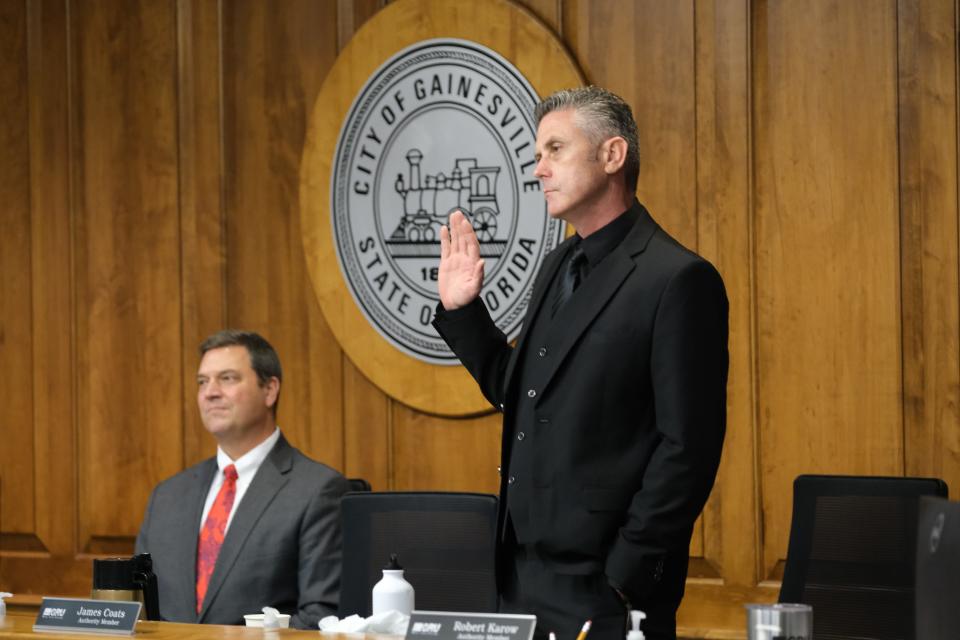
(246, 466)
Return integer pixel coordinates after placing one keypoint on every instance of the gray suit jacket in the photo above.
(282, 548)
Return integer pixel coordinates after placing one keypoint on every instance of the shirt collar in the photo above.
(601, 243)
(251, 460)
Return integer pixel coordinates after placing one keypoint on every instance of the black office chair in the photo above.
(358, 484)
(852, 554)
(444, 542)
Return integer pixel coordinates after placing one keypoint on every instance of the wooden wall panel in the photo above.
(17, 507)
(432, 453)
(643, 51)
(52, 296)
(367, 424)
(43, 559)
(274, 64)
(351, 14)
(827, 248)
(367, 430)
(550, 12)
(127, 265)
(724, 236)
(927, 36)
(202, 252)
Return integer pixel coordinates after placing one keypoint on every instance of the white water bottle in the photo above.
(3, 605)
(393, 593)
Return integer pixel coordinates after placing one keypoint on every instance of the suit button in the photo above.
(521, 435)
(511, 480)
(531, 394)
(542, 352)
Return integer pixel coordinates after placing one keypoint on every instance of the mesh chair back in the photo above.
(444, 542)
(358, 484)
(852, 554)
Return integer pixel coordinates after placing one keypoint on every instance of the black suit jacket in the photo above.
(282, 549)
(630, 409)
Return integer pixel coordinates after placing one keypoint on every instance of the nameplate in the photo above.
(73, 615)
(445, 625)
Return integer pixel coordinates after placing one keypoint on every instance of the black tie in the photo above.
(570, 279)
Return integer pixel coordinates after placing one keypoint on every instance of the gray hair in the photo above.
(263, 358)
(601, 115)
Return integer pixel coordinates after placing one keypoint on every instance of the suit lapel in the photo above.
(586, 303)
(541, 284)
(270, 478)
(187, 533)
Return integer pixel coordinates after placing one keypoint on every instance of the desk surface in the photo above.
(19, 625)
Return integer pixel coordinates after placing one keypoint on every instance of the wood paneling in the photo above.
(274, 64)
(351, 14)
(827, 248)
(52, 294)
(16, 469)
(202, 252)
(367, 430)
(149, 181)
(367, 427)
(126, 266)
(450, 455)
(550, 12)
(50, 486)
(644, 52)
(927, 35)
(724, 236)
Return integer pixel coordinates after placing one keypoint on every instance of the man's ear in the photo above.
(272, 389)
(613, 154)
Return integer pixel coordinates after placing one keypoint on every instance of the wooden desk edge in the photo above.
(19, 625)
(29, 605)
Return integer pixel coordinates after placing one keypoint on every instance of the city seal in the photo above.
(444, 124)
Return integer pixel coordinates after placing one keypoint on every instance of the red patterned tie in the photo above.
(211, 535)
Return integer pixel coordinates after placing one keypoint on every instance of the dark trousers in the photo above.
(563, 602)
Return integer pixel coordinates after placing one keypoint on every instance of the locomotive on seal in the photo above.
(428, 203)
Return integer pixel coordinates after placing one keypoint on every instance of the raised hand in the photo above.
(461, 268)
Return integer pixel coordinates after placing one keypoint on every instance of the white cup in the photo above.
(783, 620)
(256, 620)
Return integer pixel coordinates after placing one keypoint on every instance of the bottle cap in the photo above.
(393, 565)
(635, 617)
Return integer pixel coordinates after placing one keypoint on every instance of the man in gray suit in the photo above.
(258, 525)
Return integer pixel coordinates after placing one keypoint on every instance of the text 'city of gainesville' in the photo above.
(490, 103)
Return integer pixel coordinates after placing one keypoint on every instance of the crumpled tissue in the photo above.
(389, 622)
(270, 620)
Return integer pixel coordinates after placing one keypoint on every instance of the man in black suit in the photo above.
(259, 524)
(614, 399)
